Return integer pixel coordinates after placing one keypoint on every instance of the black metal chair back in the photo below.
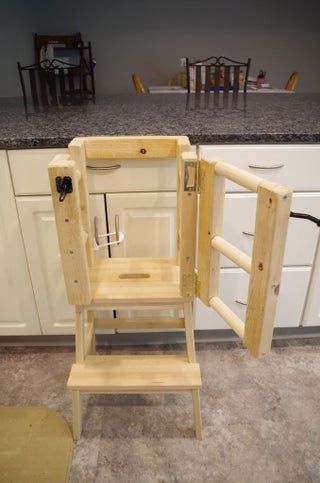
(51, 84)
(217, 73)
(68, 43)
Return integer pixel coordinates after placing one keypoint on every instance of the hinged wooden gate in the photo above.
(265, 265)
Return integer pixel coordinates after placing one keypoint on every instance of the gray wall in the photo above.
(149, 37)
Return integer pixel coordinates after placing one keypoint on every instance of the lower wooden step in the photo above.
(140, 323)
(135, 374)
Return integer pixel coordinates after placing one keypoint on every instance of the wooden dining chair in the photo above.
(94, 284)
(50, 84)
(217, 73)
(139, 87)
(292, 82)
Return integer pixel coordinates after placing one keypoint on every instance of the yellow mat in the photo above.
(35, 446)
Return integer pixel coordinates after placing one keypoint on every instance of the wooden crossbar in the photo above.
(265, 265)
(228, 250)
(104, 147)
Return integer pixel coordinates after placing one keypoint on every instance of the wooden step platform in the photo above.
(135, 281)
(135, 374)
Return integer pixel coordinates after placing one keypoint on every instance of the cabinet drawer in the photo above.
(234, 287)
(302, 236)
(29, 169)
(297, 166)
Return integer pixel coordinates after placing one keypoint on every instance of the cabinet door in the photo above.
(311, 315)
(18, 313)
(40, 238)
(148, 221)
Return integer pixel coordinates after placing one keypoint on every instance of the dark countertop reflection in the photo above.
(206, 119)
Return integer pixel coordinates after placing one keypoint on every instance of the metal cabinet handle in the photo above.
(272, 166)
(240, 302)
(96, 239)
(248, 233)
(104, 168)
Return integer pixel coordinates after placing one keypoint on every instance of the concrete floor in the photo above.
(261, 418)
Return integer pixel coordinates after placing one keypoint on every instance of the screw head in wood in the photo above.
(143, 151)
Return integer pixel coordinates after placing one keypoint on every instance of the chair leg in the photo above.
(188, 321)
(76, 415)
(92, 347)
(197, 413)
(80, 331)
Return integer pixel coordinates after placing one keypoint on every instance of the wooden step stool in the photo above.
(161, 283)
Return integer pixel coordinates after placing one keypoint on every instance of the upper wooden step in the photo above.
(135, 281)
(135, 374)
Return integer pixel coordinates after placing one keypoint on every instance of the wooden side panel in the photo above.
(272, 216)
(183, 146)
(118, 147)
(70, 233)
(210, 224)
(188, 216)
(78, 154)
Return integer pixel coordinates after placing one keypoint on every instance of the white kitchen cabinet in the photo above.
(312, 308)
(40, 238)
(233, 291)
(18, 312)
(148, 222)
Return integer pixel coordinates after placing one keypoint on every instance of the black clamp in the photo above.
(305, 216)
(64, 186)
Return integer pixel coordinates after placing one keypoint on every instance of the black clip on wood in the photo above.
(305, 217)
(64, 186)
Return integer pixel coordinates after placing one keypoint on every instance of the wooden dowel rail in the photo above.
(237, 256)
(228, 315)
(247, 180)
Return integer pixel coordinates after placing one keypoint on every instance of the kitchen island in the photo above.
(275, 136)
(267, 118)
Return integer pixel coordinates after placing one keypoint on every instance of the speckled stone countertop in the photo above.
(255, 118)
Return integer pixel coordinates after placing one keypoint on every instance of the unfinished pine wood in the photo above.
(212, 190)
(187, 220)
(116, 147)
(228, 315)
(78, 154)
(238, 176)
(228, 250)
(134, 374)
(197, 413)
(272, 216)
(76, 415)
(162, 286)
(183, 145)
(69, 228)
(91, 324)
(80, 334)
(188, 317)
(140, 323)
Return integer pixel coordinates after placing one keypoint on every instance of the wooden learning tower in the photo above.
(162, 283)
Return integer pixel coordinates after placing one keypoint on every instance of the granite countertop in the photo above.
(255, 118)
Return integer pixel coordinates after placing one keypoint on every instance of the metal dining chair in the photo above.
(50, 84)
(217, 73)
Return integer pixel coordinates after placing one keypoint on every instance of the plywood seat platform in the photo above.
(134, 374)
(135, 280)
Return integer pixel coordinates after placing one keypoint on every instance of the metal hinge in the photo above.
(191, 176)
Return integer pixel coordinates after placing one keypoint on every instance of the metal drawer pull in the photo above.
(104, 168)
(248, 233)
(240, 302)
(272, 166)
(96, 239)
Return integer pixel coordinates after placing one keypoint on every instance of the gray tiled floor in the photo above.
(261, 418)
